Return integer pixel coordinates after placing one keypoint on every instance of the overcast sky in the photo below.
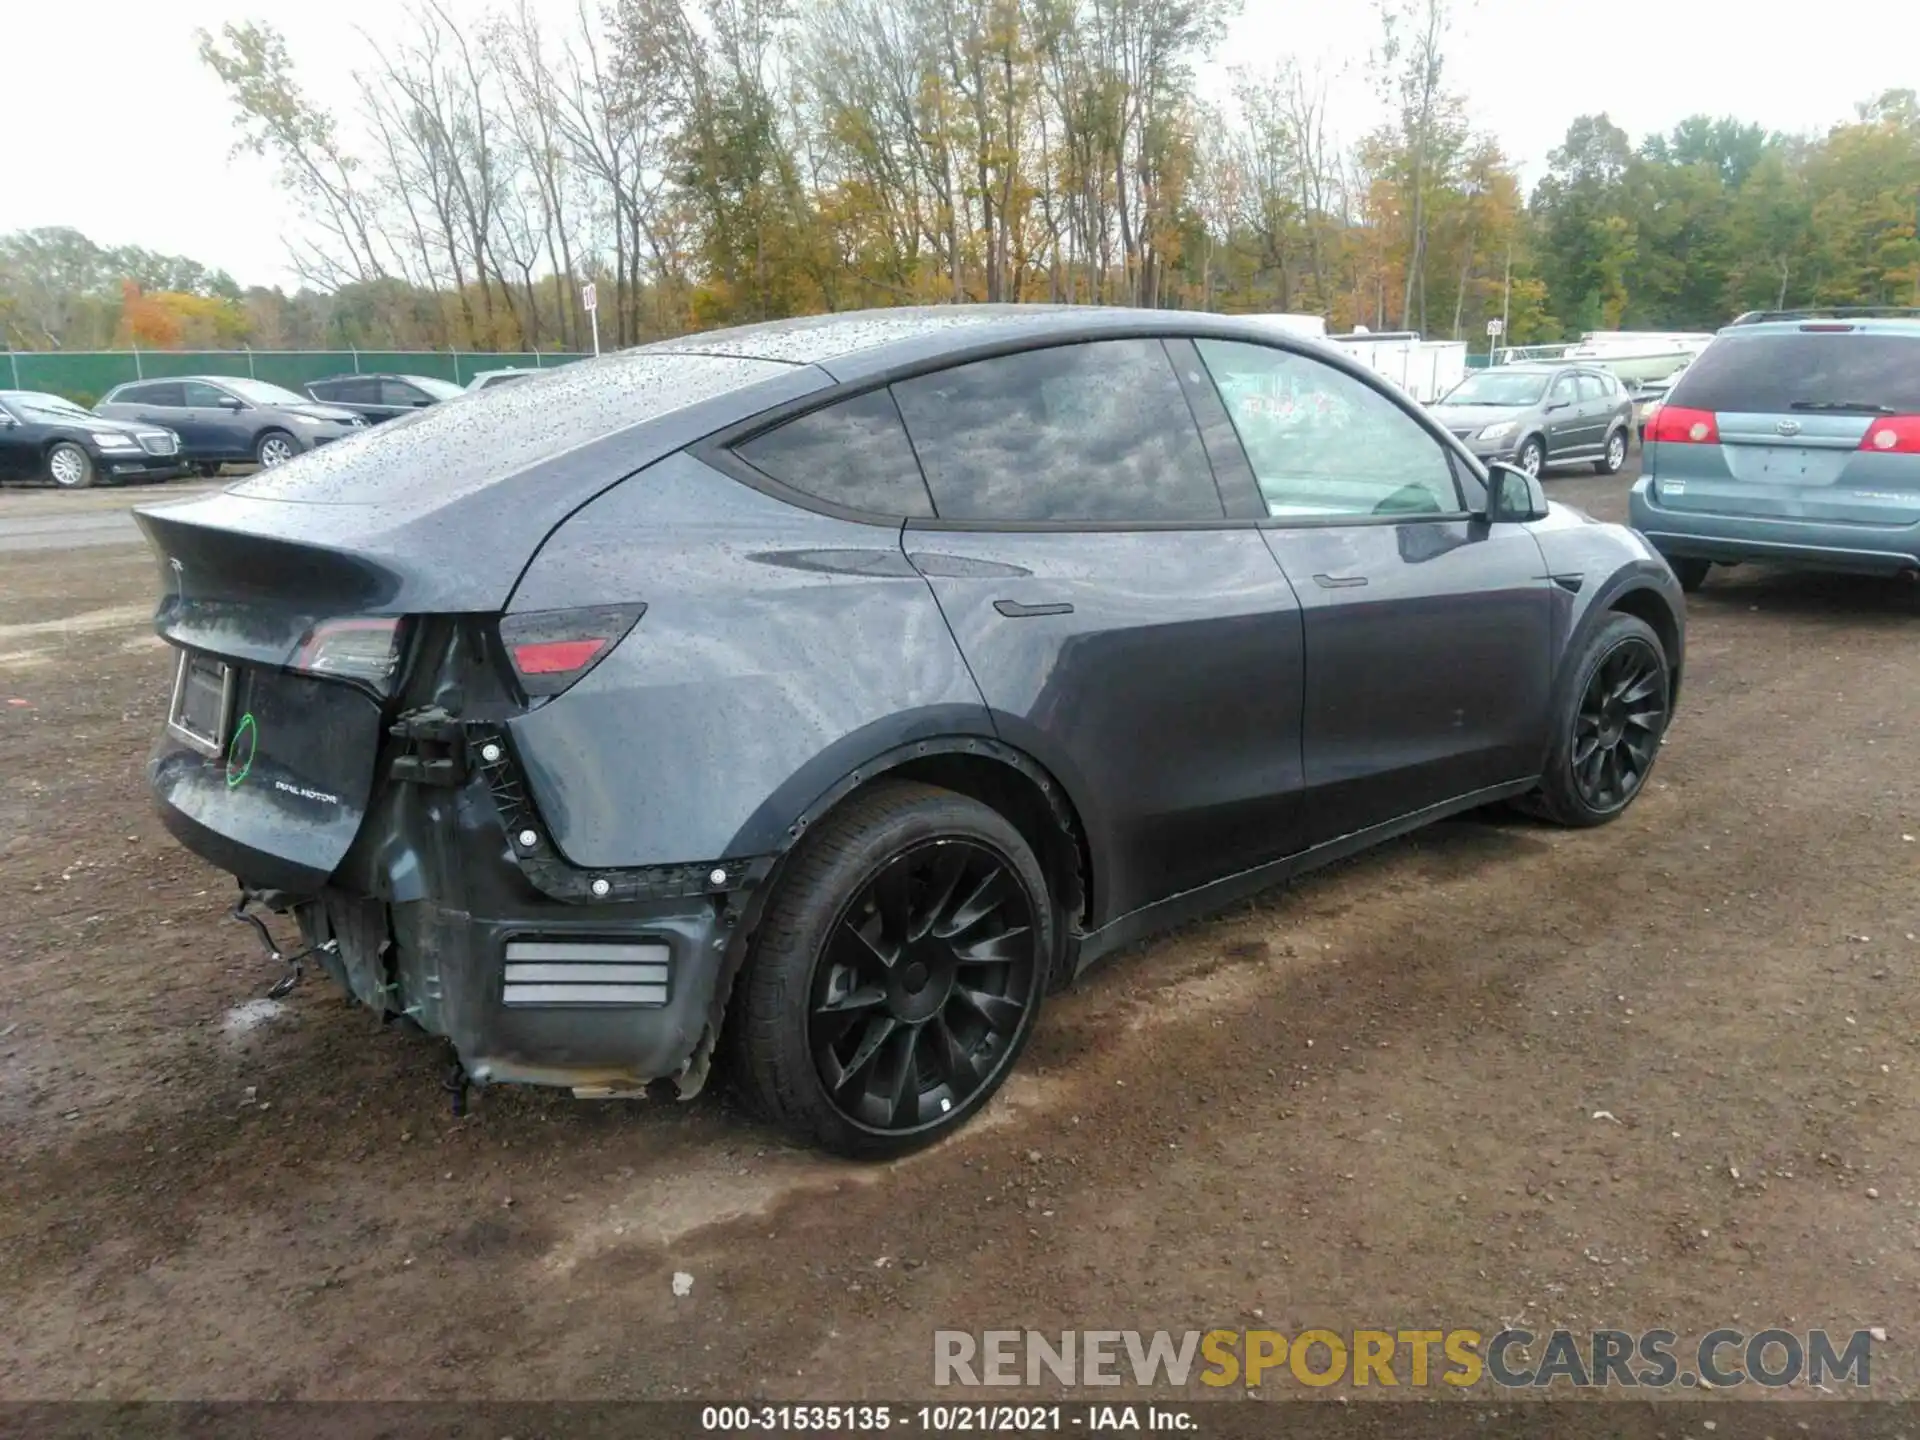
(136, 137)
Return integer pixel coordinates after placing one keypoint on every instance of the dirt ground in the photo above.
(1660, 1074)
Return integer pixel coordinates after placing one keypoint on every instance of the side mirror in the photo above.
(1553, 405)
(1513, 495)
(228, 402)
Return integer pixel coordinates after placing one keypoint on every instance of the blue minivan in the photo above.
(1795, 438)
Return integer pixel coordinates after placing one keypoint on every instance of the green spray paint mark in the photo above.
(249, 732)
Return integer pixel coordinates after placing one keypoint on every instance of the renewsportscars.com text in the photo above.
(1510, 1359)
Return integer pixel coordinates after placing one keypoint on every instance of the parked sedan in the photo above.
(851, 683)
(45, 436)
(382, 397)
(224, 418)
(1542, 415)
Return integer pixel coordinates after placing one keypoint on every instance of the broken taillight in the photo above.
(551, 649)
(363, 649)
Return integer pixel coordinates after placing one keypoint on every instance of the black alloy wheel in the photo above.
(1619, 723)
(897, 973)
(923, 986)
(1612, 715)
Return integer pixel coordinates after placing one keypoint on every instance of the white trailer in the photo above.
(1314, 327)
(1425, 369)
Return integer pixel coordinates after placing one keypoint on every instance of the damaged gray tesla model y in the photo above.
(825, 693)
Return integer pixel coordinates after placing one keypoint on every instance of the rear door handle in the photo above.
(1014, 610)
(1339, 582)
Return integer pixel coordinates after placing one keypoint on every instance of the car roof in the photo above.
(1769, 323)
(866, 344)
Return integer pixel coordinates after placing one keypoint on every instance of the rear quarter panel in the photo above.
(780, 650)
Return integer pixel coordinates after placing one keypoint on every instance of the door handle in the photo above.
(1339, 582)
(1014, 610)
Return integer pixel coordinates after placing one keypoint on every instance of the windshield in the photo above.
(261, 393)
(34, 404)
(1497, 387)
(439, 389)
(1774, 371)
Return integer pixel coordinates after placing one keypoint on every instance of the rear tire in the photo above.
(1608, 725)
(1614, 459)
(1690, 572)
(69, 466)
(897, 974)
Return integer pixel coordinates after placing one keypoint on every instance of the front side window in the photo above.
(202, 396)
(1564, 392)
(1324, 444)
(261, 393)
(399, 392)
(1592, 388)
(1096, 432)
(854, 454)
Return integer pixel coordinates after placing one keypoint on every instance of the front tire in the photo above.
(1532, 456)
(275, 447)
(1608, 727)
(897, 974)
(69, 466)
(1614, 459)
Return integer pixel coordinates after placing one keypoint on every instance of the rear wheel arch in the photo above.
(1000, 777)
(997, 775)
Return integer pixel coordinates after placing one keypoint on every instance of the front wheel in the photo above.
(69, 467)
(897, 974)
(1614, 459)
(1609, 726)
(1532, 457)
(273, 448)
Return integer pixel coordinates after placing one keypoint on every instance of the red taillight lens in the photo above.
(556, 657)
(367, 650)
(551, 649)
(1893, 435)
(1673, 425)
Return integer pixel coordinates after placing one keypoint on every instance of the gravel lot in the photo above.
(1368, 1100)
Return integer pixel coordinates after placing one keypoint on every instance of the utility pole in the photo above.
(1506, 290)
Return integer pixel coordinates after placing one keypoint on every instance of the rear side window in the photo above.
(853, 454)
(1776, 371)
(168, 394)
(1098, 432)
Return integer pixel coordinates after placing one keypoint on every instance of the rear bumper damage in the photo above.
(455, 911)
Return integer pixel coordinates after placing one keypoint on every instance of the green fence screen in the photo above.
(87, 376)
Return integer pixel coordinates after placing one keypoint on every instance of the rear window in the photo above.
(450, 451)
(1776, 371)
